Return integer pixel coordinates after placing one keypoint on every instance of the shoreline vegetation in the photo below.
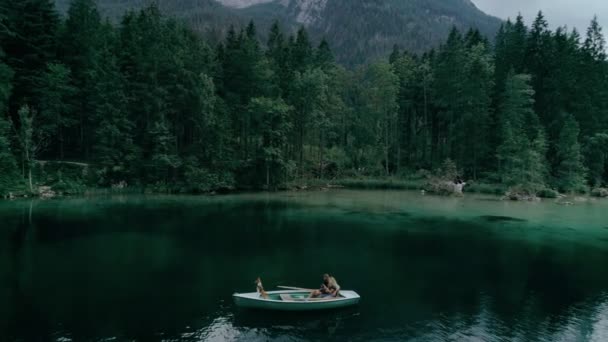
(69, 179)
(147, 104)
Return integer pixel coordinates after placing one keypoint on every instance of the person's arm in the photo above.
(337, 290)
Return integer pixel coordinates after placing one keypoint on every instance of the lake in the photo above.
(163, 268)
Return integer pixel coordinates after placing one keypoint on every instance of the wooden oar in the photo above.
(294, 288)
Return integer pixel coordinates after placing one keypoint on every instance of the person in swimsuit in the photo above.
(329, 288)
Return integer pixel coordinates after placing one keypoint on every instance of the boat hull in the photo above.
(254, 301)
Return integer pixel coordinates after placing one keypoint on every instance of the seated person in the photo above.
(329, 288)
(260, 288)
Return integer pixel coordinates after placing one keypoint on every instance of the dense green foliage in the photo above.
(149, 103)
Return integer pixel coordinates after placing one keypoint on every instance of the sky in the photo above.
(573, 13)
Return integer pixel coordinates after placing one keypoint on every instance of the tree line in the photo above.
(148, 102)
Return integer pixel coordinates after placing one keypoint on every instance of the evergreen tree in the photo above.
(56, 94)
(6, 77)
(272, 119)
(395, 54)
(301, 51)
(595, 43)
(570, 171)
(81, 39)
(380, 95)
(448, 88)
(510, 48)
(324, 58)
(521, 154)
(592, 103)
(30, 43)
(471, 134)
(8, 167)
(539, 51)
(164, 159)
(308, 96)
(114, 148)
(278, 56)
(596, 155)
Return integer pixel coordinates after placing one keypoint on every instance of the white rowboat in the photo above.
(294, 300)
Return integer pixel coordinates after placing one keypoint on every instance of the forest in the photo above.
(147, 103)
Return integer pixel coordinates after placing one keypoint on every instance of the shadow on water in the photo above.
(492, 218)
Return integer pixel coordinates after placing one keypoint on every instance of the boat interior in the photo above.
(300, 297)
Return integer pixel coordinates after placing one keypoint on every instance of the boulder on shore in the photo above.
(46, 192)
(599, 192)
(443, 187)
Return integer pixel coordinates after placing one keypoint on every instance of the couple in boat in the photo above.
(328, 289)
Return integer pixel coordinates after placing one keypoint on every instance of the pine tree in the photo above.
(539, 51)
(8, 166)
(323, 56)
(114, 148)
(56, 112)
(448, 85)
(510, 49)
(380, 96)
(164, 158)
(308, 95)
(29, 46)
(471, 134)
(595, 43)
(592, 103)
(521, 153)
(395, 54)
(81, 39)
(535, 163)
(276, 42)
(474, 38)
(301, 51)
(407, 126)
(272, 119)
(596, 155)
(570, 171)
(6, 87)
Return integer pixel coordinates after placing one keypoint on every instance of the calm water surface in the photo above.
(427, 268)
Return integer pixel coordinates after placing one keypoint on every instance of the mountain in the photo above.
(357, 30)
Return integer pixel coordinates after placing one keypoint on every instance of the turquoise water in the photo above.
(163, 268)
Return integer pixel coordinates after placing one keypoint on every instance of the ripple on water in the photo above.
(599, 331)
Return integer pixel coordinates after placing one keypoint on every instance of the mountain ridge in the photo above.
(358, 31)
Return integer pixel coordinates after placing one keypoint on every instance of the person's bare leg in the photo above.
(314, 294)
